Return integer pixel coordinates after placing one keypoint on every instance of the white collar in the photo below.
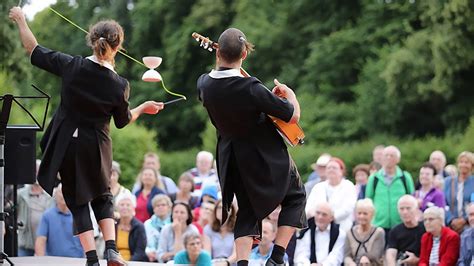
(220, 74)
(106, 64)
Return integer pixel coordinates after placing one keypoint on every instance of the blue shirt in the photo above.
(466, 256)
(57, 227)
(256, 257)
(204, 258)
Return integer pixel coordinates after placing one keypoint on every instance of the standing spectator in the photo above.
(319, 172)
(404, 240)
(193, 254)
(218, 238)
(149, 189)
(31, 204)
(152, 160)
(131, 236)
(364, 243)
(439, 245)
(438, 160)
(339, 192)
(161, 217)
(323, 241)
(171, 238)
(261, 253)
(466, 256)
(361, 175)
(54, 236)
(377, 154)
(385, 188)
(204, 174)
(458, 192)
(185, 190)
(428, 195)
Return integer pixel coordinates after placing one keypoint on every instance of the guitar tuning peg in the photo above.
(206, 45)
(210, 49)
(197, 39)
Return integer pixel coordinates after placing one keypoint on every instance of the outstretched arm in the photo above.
(27, 38)
(149, 107)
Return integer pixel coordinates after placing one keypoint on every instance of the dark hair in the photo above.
(375, 165)
(429, 165)
(104, 37)
(188, 210)
(232, 43)
(361, 167)
(216, 225)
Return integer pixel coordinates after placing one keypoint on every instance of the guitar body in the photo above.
(292, 133)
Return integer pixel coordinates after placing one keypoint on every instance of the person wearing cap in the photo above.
(319, 172)
(339, 192)
(252, 159)
(209, 195)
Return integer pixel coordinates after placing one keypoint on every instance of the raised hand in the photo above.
(17, 15)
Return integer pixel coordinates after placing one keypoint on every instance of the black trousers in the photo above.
(102, 206)
(292, 207)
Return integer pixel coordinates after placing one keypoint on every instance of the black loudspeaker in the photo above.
(20, 155)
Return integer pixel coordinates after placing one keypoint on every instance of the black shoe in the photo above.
(93, 264)
(270, 262)
(113, 258)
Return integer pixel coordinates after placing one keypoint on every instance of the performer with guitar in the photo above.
(253, 161)
(77, 142)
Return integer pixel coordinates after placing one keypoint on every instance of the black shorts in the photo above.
(292, 208)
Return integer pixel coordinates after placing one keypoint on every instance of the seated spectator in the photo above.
(115, 187)
(339, 192)
(262, 252)
(404, 240)
(466, 255)
(149, 189)
(32, 202)
(218, 238)
(185, 190)
(205, 216)
(364, 242)
(439, 245)
(328, 236)
(151, 160)
(204, 174)
(193, 254)
(130, 232)
(319, 172)
(361, 176)
(374, 167)
(171, 238)
(386, 186)
(458, 191)
(428, 195)
(55, 232)
(451, 170)
(161, 217)
(209, 194)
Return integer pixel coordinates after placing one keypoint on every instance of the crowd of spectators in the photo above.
(380, 215)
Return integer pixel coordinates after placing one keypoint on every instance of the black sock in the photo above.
(91, 256)
(278, 253)
(110, 244)
(242, 263)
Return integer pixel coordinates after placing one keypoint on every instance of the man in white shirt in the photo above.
(323, 242)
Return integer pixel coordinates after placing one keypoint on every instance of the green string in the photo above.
(122, 53)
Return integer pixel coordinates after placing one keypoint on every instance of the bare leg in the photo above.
(107, 226)
(284, 235)
(243, 247)
(87, 240)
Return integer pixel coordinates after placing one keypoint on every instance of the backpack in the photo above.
(403, 178)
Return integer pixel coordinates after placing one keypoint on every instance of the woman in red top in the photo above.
(439, 245)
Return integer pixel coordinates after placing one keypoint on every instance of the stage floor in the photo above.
(61, 261)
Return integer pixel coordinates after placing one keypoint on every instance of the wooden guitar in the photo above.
(291, 133)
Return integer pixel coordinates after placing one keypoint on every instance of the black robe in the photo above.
(237, 107)
(90, 95)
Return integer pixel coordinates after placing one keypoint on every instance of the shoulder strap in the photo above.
(404, 180)
(312, 226)
(333, 235)
(376, 181)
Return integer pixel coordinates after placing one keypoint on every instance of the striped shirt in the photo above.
(434, 255)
